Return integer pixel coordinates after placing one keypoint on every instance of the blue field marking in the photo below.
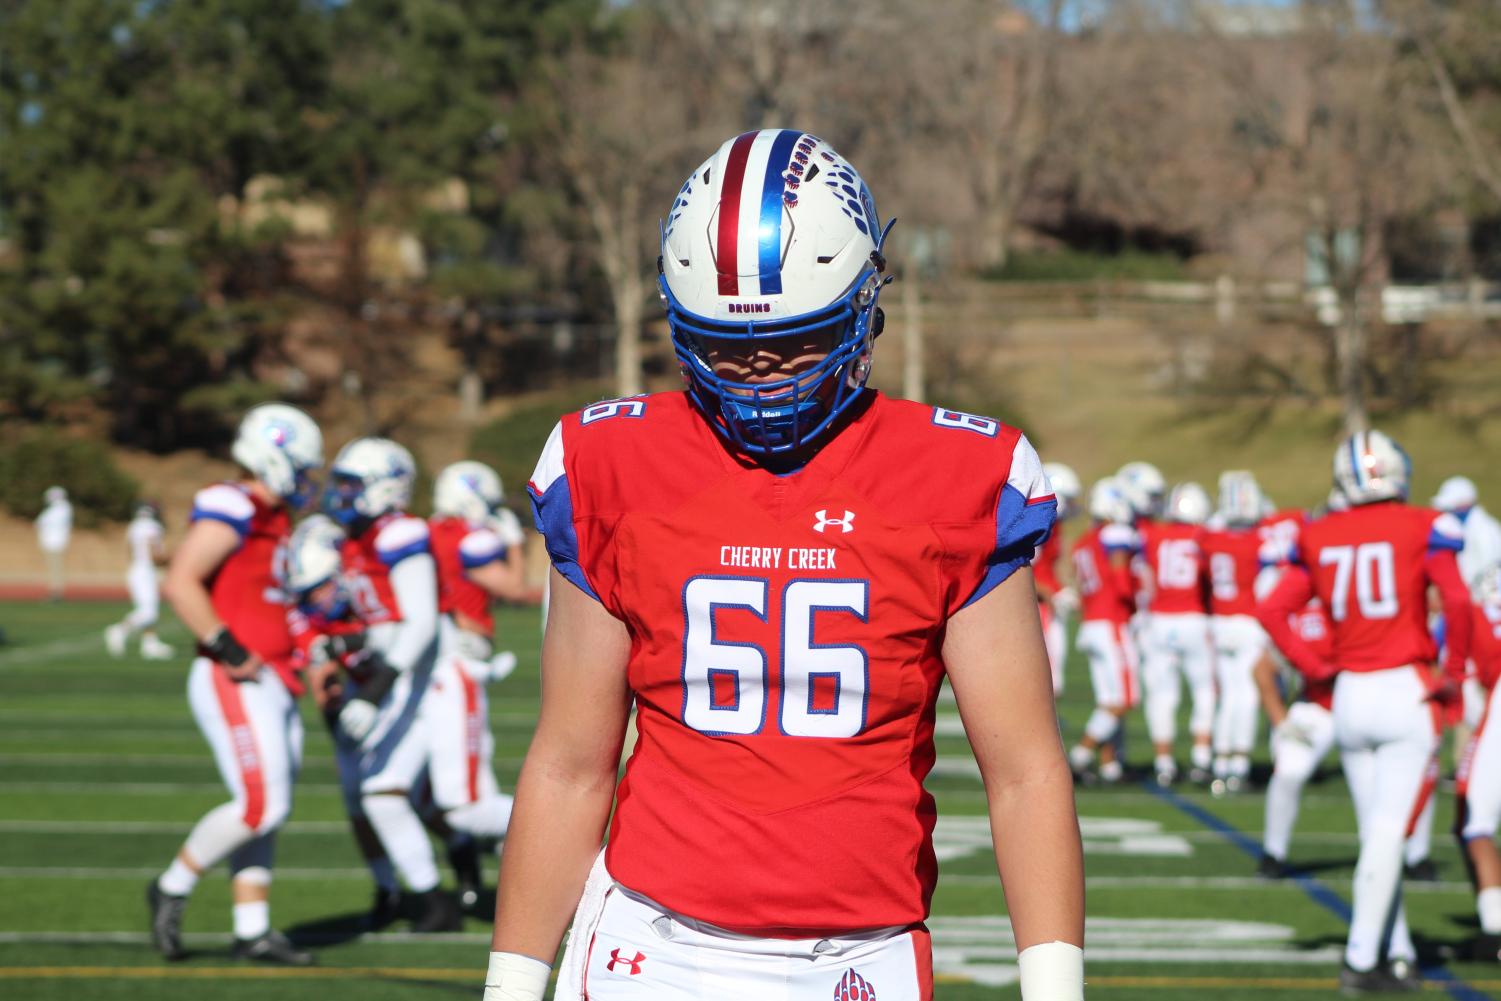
(1316, 891)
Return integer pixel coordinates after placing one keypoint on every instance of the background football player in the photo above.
(1176, 643)
(1056, 602)
(143, 537)
(1478, 782)
(741, 561)
(1371, 566)
(1102, 559)
(223, 585)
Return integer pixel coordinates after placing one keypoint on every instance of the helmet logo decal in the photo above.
(280, 434)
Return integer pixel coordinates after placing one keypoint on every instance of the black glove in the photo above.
(224, 648)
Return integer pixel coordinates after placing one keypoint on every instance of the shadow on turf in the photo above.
(339, 929)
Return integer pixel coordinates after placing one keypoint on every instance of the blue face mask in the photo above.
(339, 499)
(333, 606)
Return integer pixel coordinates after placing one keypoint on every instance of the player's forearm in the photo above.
(556, 830)
(1039, 855)
(193, 605)
(1265, 674)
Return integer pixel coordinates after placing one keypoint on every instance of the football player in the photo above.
(1055, 601)
(779, 567)
(393, 587)
(143, 536)
(242, 689)
(1479, 777)
(1371, 566)
(1177, 632)
(1102, 569)
(1233, 553)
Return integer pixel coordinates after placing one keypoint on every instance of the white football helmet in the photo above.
(1144, 486)
(1066, 487)
(370, 477)
(1189, 504)
(280, 446)
(1456, 494)
(312, 554)
(1240, 502)
(1369, 466)
(469, 490)
(774, 236)
(1336, 501)
(1108, 502)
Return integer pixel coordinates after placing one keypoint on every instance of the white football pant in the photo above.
(1387, 736)
(1175, 642)
(623, 946)
(1239, 642)
(255, 734)
(1297, 748)
(1055, 636)
(141, 582)
(1112, 663)
(1479, 776)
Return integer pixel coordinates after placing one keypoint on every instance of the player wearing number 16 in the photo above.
(1371, 566)
(778, 567)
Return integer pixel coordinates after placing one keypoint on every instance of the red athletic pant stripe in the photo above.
(242, 740)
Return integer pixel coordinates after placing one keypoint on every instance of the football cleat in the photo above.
(385, 909)
(272, 947)
(439, 913)
(1485, 948)
(1421, 871)
(166, 921)
(1405, 973)
(464, 857)
(154, 649)
(1199, 776)
(114, 639)
(1377, 980)
(1271, 868)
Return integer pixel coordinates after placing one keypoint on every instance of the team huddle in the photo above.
(386, 618)
(1171, 588)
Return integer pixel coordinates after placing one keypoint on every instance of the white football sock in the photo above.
(1164, 764)
(1079, 757)
(405, 840)
(178, 880)
(1111, 771)
(252, 919)
(1201, 756)
(1488, 907)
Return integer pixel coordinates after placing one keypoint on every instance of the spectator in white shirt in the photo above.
(54, 527)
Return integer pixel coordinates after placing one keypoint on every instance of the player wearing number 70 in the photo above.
(778, 567)
(1371, 567)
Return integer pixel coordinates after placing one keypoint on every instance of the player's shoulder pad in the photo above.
(1117, 536)
(401, 537)
(1446, 532)
(479, 547)
(227, 503)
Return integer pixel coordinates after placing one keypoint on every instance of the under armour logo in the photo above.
(847, 523)
(635, 964)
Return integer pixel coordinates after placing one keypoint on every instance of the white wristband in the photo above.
(514, 977)
(1052, 971)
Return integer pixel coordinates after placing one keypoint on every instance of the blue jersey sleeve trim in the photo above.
(471, 560)
(552, 512)
(240, 525)
(1444, 542)
(391, 557)
(1021, 526)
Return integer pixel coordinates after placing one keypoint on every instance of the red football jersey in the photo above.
(1234, 560)
(785, 636)
(369, 557)
(1045, 565)
(1105, 591)
(1485, 648)
(1367, 567)
(457, 549)
(246, 589)
(1279, 535)
(1312, 625)
(1174, 557)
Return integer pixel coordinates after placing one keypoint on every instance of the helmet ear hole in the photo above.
(877, 323)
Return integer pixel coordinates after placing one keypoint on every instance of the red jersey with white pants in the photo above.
(458, 548)
(1174, 557)
(1106, 592)
(1311, 624)
(1233, 556)
(245, 590)
(369, 557)
(785, 637)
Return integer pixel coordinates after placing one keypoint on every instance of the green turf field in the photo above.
(104, 772)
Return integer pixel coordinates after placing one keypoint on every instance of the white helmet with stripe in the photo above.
(313, 554)
(469, 490)
(1369, 466)
(1108, 502)
(1188, 504)
(1066, 487)
(1144, 485)
(280, 446)
(1240, 502)
(369, 477)
(774, 236)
